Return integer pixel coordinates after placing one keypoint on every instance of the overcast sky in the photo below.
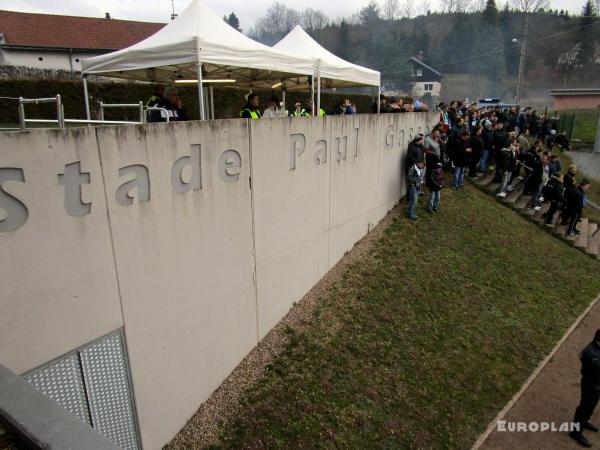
(247, 10)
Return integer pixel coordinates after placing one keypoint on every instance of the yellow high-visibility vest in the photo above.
(253, 114)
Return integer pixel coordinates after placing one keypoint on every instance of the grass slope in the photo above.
(426, 339)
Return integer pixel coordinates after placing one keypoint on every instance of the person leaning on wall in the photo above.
(251, 111)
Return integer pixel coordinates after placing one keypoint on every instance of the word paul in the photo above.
(16, 212)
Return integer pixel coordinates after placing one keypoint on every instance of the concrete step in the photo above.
(593, 247)
(485, 180)
(512, 198)
(494, 188)
(522, 201)
(539, 214)
(581, 241)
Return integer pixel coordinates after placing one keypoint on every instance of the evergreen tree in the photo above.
(586, 55)
(490, 13)
(233, 21)
(343, 41)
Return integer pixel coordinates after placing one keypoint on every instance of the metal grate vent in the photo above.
(107, 385)
(93, 383)
(62, 381)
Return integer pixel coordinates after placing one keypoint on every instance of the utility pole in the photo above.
(522, 59)
(597, 145)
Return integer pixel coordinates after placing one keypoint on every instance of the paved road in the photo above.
(552, 397)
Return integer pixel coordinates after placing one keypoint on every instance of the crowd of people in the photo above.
(516, 146)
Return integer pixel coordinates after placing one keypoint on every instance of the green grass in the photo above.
(593, 193)
(424, 341)
(586, 122)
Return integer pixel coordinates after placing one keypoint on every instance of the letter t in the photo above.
(72, 180)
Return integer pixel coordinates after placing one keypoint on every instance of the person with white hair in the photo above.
(173, 104)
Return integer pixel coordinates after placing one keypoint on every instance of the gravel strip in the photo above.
(204, 428)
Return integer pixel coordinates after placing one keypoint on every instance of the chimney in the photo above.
(107, 16)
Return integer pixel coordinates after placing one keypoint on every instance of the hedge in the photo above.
(228, 100)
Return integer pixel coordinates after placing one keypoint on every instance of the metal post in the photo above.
(22, 124)
(319, 93)
(212, 103)
(88, 116)
(142, 117)
(61, 120)
(522, 61)
(101, 111)
(312, 96)
(283, 98)
(597, 144)
(200, 87)
(378, 99)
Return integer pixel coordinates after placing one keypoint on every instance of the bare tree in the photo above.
(424, 7)
(453, 6)
(478, 5)
(530, 5)
(391, 9)
(408, 8)
(274, 20)
(313, 19)
(292, 18)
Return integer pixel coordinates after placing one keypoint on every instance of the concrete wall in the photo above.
(576, 101)
(587, 162)
(53, 60)
(196, 237)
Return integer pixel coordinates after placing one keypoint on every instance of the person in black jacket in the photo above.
(574, 201)
(435, 183)
(500, 141)
(460, 156)
(590, 390)
(477, 150)
(415, 151)
(488, 142)
(554, 194)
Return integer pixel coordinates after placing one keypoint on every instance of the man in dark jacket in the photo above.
(590, 390)
(460, 156)
(574, 201)
(500, 141)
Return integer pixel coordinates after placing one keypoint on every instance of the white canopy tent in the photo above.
(198, 44)
(329, 69)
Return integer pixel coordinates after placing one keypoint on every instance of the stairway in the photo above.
(585, 241)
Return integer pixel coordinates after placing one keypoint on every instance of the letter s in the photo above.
(15, 210)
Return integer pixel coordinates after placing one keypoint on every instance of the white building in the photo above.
(54, 42)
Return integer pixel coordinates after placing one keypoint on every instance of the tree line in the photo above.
(473, 37)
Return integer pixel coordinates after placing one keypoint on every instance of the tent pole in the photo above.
(283, 98)
(212, 103)
(312, 96)
(200, 87)
(86, 97)
(318, 94)
(200, 91)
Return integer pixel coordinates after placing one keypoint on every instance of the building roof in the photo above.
(54, 31)
(415, 60)
(575, 92)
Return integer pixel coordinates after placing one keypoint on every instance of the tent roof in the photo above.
(225, 53)
(337, 71)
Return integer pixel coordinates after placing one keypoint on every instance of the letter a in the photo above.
(141, 182)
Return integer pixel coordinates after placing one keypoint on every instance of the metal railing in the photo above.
(139, 105)
(60, 111)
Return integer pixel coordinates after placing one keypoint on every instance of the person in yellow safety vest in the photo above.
(251, 111)
(158, 96)
(313, 108)
(299, 111)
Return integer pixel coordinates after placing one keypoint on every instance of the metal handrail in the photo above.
(139, 105)
(156, 108)
(60, 111)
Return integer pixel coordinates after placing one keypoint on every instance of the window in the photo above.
(419, 72)
(428, 87)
